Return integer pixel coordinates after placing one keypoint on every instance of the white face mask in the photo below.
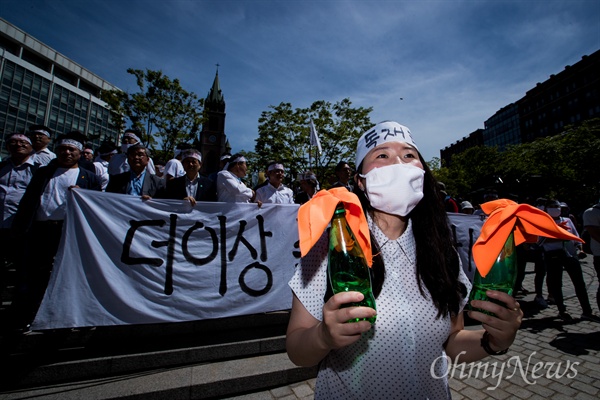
(395, 189)
(125, 146)
(553, 212)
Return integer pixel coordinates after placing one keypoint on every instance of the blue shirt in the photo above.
(134, 187)
(13, 182)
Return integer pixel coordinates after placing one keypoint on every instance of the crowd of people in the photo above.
(34, 182)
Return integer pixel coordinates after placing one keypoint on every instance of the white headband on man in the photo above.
(383, 132)
(20, 136)
(71, 142)
(275, 166)
(307, 176)
(191, 154)
(132, 135)
(237, 160)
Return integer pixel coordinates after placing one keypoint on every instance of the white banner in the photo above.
(465, 231)
(126, 261)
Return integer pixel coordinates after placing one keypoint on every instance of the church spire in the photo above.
(215, 95)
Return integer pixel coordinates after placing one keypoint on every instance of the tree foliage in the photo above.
(163, 112)
(564, 166)
(284, 134)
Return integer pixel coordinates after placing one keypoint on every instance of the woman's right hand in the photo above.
(336, 331)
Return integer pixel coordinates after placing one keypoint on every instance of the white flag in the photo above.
(314, 139)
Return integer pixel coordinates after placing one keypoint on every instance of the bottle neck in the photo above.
(340, 211)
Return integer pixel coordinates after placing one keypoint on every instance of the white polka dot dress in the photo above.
(394, 360)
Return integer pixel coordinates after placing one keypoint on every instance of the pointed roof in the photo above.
(215, 95)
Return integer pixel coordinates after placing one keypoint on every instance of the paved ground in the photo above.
(550, 359)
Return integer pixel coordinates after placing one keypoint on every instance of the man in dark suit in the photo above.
(192, 186)
(39, 219)
(137, 181)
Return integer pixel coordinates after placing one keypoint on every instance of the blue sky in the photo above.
(454, 63)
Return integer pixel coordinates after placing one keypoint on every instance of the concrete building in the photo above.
(38, 85)
(568, 98)
(474, 139)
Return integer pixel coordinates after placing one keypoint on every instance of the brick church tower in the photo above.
(213, 141)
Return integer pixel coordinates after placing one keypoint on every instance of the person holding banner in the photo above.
(137, 181)
(230, 188)
(39, 220)
(418, 282)
(192, 187)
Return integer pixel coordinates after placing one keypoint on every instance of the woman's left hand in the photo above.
(502, 327)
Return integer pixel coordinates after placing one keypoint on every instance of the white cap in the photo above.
(383, 132)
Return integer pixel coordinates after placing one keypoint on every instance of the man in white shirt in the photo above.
(275, 191)
(40, 136)
(562, 255)
(15, 174)
(39, 220)
(230, 188)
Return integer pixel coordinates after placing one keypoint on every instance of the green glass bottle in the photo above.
(347, 267)
(501, 276)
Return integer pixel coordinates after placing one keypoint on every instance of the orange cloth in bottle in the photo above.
(315, 215)
(506, 216)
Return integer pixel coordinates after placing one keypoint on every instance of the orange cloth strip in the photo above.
(315, 215)
(505, 216)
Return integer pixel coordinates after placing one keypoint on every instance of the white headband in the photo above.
(191, 154)
(109, 153)
(21, 137)
(275, 166)
(307, 177)
(383, 132)
(132, 135)
(42, 131)
(237, 160)
(225, 157)
(71, 142)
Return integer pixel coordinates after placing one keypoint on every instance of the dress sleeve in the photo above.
(462, 278)
(309, 282)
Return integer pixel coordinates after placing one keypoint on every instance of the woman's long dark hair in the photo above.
(437, 260)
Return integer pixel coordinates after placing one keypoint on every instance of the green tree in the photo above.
(284, 134)
(164, 112)
(470, 172)
(564, 166)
